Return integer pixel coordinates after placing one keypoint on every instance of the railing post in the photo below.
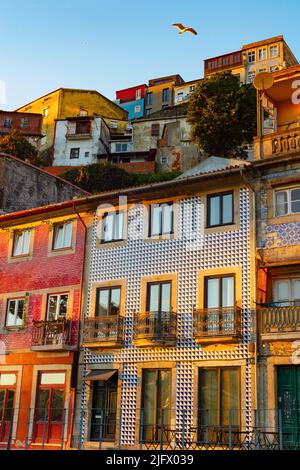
(207, 429)
(141, 436)
(162, 430)
(10, 430)
(44, 429)
(280, 429)
(27, 429)
(101, 421)
(63, 429)
(120, 430)
(183, 429)
(230, 429)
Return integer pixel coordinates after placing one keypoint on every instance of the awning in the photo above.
(100, 374)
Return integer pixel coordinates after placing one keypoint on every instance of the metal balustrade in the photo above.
(157, 327)
(217, 322)
(56, 334)
(108, 329)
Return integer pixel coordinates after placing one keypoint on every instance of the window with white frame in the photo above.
(287, 201)
(287, 291)
(251, 57)
(112, 229)
(251, 76)
(24, 123)
(15, 312)
(21, 244)
(161, 219)
(57, 307)
(62, 236)
(137, 109)
(121, 147)
(262, 54)
(46, 112)
(273, 51)
(7, 122)
(138, 94)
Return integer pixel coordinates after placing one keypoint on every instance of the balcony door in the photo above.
(219, 302)
(7, 399)
(288, 394)
(108, 303)
(158, 307)
(287, 292)
(49, 416)
(104, 409)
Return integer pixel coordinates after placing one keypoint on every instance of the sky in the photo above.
(107, 45)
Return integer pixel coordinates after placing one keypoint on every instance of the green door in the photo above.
(288, 380)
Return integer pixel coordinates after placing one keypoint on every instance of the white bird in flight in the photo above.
(185, 29)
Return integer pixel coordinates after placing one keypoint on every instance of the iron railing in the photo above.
(278, 318)
(221, 322)
(158, 327)
(109, 329)
(51, 333)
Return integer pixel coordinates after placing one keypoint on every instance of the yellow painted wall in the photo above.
(287, 112)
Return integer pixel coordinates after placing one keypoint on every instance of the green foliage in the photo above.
(222, 114)
(104, 177)
(17, 145)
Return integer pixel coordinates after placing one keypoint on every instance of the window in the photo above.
(57, 307)
(137, 109)
(164, 160)
(287, 292)
(159, 297)
(121, 147)
(138, 94)
(86, 154)
(7, 395)
(165, 95)
(262, 54)
(46, 112)
(273, 51)
(149, 98)
(287, 201)
(180, 97)
(219, 300)
(161, 219)
(62, 237)
(74, 152)
(108, 301)
(21, 243)
(251, 57)
(251, 76)
(24, 123)
(155, 130)
(220, 209)
(192, 88)
(156, 403)
(7, 122)
(112, 227)
(83, 127)
(114, 125)
(15, 312)
(148, 111)
(219, 401)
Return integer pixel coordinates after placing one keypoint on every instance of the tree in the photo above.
(104, 177)
(222, 114)
(17, 145)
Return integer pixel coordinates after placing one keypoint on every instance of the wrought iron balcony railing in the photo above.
(52, 335)
(281, 318)
(104, 331)
(212, 323)
(155, 327)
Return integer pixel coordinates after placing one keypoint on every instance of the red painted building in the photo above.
(28, 124)
(131, 94)
(41, 269)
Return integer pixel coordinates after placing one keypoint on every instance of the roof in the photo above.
(170, 112)
(197, 80)
(263, 42)
(36, 168)
(213, 164)
(20, 112)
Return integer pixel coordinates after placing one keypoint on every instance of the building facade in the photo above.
(160, 93)
(41, 266)
(183, 92)
(268, 55)
(168, 312)
(132, 100)
(28, 125)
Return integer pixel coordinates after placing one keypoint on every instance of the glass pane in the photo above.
(18, 244)
(166, 297)
(119, 218)
(108, 227)
(20, 308)
(296, 289)
(10, 320)
(295, 195)
(68, 235)
(228, 291)
(26, 242)
(153, 298)
(167, 218)
(58, 237)
(156, 220)
(52, 305)
(230, 398)
(164, 399)
(209, 403)
(214, 213)
(53, 378)
(57, 405)
(63, 306)
(282, 291)
(9, 405)
(227, 209)
(213, 293)
(102, 309)
(281, 203)
(115, 301)
(42, 405)
(295, 207)
(149, 404)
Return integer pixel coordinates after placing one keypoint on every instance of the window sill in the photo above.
(20, 258)
(284, 219)
(112, 244)
(222, 228)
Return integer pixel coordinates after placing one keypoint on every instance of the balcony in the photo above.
(52, 336)
(279, 143)
(280, 322)
(155, 329)
(80, 131)
(224, 62)
(220, 325)
(103, 332)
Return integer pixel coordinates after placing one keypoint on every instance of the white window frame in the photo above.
(58, 296)
(46, 112)
(137, 109)
(262, 53)
(272, 56)
(64, 246)
(290, 281)
(113, 239)
(21, 233)
(288, 190)
(22, 299)
(252, 55)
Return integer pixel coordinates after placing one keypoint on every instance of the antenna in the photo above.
(263, 81)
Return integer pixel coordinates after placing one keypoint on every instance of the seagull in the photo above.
(184, 29)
